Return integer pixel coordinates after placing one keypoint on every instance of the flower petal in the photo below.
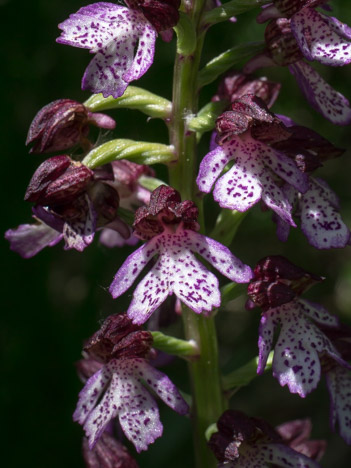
(320, 221)
(284, 167)
(296, 353)
(131, 268)
(322, 97)
(150, 292)
(211, 167)
(89, 396)
(94, 26)
(240, 188)
(79, 232)
(136, 409)
(162, 386)
(339, 386)
(220, 257)
(265, 340)
(318, 40)
(318, 313)
(144, 55)
(29, 239)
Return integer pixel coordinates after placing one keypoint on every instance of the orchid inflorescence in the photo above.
(87, 189)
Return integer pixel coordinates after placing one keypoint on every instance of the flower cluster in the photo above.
(120, 388)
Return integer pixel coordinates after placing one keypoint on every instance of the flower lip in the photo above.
(165, 209)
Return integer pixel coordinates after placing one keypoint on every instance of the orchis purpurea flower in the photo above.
(107, 453)
(318, 207)
(63, 124)
(72, 201)
(283, 50)
(120, 389)
(256, 165)
(169, 226)
(112, 32)
(301, 343)
(131, 196)
(244, 442)
(319, 37)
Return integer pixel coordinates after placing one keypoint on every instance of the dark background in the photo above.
(54, 301)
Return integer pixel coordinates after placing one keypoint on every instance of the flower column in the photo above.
(208, 402)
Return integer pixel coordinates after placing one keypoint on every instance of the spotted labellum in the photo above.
(169, 226)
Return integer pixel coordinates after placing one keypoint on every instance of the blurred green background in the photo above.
(55, 300)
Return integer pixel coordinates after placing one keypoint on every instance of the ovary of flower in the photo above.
(177, 271)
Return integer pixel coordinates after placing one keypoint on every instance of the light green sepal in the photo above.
(229, 9)
(228, 59)
(212, 429)
(133, 98)
(231, 291)
(171, 345)
(150, 183)
(141, 152)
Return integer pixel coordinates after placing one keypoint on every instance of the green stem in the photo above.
(208, 402)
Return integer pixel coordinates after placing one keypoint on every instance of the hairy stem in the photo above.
(208, 403)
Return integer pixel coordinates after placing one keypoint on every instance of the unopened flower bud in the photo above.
(165, 208)
(62, 124)
(58, 180)
(281, 43)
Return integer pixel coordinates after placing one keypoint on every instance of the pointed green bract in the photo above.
(133, 98)
(230, 9)
(186, 35)
(245, 374)
(141, 152)
(171, 345)
(205, 120)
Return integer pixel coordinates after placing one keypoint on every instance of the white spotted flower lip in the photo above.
(321, 37)
(120, 389)
(252, 177)
(169, 226)
(321, 221)
(177, 271)
(300, 344)
(112, 32)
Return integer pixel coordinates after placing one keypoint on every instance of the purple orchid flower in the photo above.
(244, 442)
(72, 202)
(120, 389)
(112, 32)
(308, 34)
(170, 228)
(301, 344)
(256, 165)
